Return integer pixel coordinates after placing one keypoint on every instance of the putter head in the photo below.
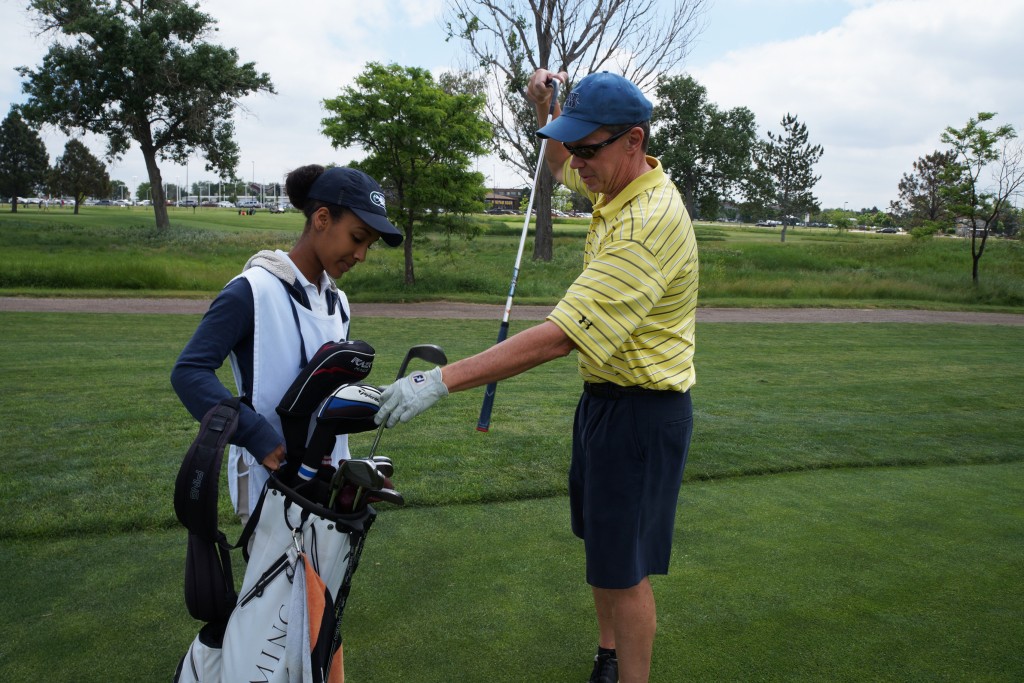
(386, 496)
(349, 481)
(384, 465)
(430, 353)
(361, 473)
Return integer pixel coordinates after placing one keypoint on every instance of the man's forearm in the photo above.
(517, 354)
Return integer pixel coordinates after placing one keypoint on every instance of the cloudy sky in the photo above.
(875, 81)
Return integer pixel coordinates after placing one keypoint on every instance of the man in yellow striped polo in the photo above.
(630, 314)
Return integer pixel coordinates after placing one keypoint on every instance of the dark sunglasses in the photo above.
(588, 151)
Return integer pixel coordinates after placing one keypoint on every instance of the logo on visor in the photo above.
(378, 199)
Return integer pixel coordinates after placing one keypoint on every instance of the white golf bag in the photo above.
(286, 626)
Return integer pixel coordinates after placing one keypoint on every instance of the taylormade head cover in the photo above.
(350, 409)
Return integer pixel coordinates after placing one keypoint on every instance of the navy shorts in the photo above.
(628, 455)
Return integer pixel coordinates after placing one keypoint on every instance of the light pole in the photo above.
(135, 185)
(252, 178)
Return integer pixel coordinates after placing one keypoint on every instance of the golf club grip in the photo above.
(320, 444)
(484, 423)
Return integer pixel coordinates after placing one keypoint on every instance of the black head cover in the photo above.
(334, 364)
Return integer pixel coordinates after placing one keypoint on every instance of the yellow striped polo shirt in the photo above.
(632, 311)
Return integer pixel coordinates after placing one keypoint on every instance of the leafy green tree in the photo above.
(79, 174)
(977, 200)
(420, 142)
(705, 150)
(921, 196)
(143, 71)
(784, 171)
(1010, 221)
(119, 190)
(510, 39)
(881, 219)
(24, 163)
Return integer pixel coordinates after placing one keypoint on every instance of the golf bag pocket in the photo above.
(300, 563)
(202, 662)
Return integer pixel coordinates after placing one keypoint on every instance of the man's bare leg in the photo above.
(627, 620)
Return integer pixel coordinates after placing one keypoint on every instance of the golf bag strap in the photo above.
(196, 487)
(303, 360)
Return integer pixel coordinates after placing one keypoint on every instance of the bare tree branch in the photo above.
(639, 39)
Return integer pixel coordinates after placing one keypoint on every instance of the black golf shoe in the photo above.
(606, 669)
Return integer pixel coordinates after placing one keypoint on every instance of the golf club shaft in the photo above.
(484, 423)
(401, 373)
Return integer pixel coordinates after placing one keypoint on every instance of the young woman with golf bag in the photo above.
(284, 326)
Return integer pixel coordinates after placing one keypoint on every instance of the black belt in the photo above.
(609, 390)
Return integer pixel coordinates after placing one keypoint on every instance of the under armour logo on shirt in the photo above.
(586, 323)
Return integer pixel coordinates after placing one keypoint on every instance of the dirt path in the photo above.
(464, 311)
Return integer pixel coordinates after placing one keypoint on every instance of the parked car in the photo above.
(888, 230)
(249, 204)
(225, 205)
(145, 202)
(188, 202)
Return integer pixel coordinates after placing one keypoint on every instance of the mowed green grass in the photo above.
(844, 575)
(806, 547)
(94, 431)
(117, 252)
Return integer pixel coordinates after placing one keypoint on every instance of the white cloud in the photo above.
(876, 81)
(877, 90)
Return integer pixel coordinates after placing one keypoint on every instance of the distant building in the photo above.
(505, 198)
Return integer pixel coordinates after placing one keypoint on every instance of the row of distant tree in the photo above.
(154, 79)
(25, 169)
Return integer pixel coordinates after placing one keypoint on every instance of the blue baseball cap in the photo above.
(600, 99)
(353, 189)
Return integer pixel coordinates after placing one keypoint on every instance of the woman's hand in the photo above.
(274, 459)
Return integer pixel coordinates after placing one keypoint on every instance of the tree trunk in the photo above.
(784, 226)
(977, 251)
(543, 233)
(156, 183)
(689, 201)
(410, 275)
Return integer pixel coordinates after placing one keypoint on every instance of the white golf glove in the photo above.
(410, 396)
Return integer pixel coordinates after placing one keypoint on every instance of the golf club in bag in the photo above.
(302, 543)
(431, 353)
(484, 423)
(334, 364)
(286, 625)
